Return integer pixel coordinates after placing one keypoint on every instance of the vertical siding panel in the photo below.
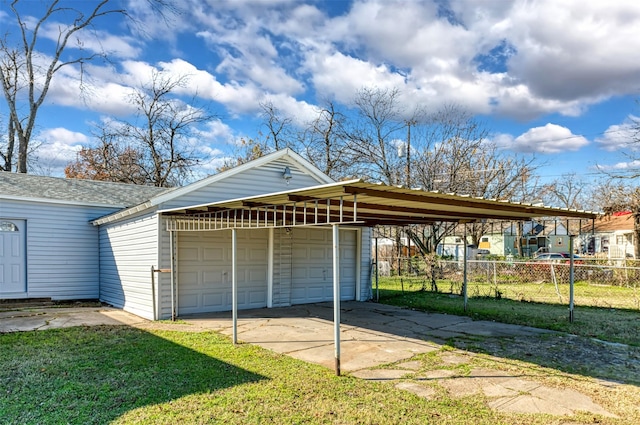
(365, 264)
(128, 249)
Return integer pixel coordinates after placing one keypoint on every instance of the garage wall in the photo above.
(128, 249)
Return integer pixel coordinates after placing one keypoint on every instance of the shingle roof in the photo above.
(74, 190)
(610, 223)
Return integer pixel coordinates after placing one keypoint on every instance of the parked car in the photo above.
(557, 257)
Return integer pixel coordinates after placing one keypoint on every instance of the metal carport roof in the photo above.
(353, 202)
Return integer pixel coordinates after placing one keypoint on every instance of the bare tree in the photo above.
(278, 125)
(324, 142)
(452, 153)
(374, 138)
(158, 140)
(26, 72)
(246, 150)
(111, 160)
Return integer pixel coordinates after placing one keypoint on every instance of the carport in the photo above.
(348, 203)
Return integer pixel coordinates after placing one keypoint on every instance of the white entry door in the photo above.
(13, 282)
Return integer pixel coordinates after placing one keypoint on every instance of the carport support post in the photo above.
(234, 283)
(172, 281)
(336, 294)
(464, 270)
(571, 278)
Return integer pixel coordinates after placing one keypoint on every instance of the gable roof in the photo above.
(611, 223)
(74, 191)
(287, 154)
(539, 228)
(283, 153)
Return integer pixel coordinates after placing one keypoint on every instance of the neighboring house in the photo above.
(612, 235)
(81, 239)
(548, 236)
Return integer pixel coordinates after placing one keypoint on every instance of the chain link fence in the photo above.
(597, 283)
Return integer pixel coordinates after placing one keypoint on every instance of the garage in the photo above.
(204, 271)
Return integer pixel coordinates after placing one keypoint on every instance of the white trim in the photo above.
(121, 214)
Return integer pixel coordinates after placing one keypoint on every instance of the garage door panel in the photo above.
(257, 297)
(188, 278)
(300, 253)
(257, 276)
(318, 273)
(213, 254)
(257, 254)
(318, 253)
(189, 300)
(213, 300)
(316, 235)
(190, 254)
(212, 276)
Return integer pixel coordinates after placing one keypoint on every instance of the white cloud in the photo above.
(57, 147)
(550, 139)
(623, 136)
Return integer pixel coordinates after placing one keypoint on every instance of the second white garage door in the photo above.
(204, 270)
(312, 265)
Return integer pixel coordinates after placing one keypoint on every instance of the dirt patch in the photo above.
(603, 360)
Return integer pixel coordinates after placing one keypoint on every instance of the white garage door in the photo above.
(312, 265)
(204, 271)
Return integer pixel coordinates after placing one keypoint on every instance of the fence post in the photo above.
(377, 275)
(570, 278)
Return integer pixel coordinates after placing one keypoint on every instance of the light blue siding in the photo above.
(62, 248)
(128, 249)
(257, 181)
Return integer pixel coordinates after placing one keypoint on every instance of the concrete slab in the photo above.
(52, 318)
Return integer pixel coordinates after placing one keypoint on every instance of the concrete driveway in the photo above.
(371, 335)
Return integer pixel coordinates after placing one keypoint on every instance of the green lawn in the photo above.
(117, 374)
(531, 304)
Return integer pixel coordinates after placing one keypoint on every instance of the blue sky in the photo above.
(558, 80)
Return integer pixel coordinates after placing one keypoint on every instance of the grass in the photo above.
(621, 325)
(117, 374)
(124, 375)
